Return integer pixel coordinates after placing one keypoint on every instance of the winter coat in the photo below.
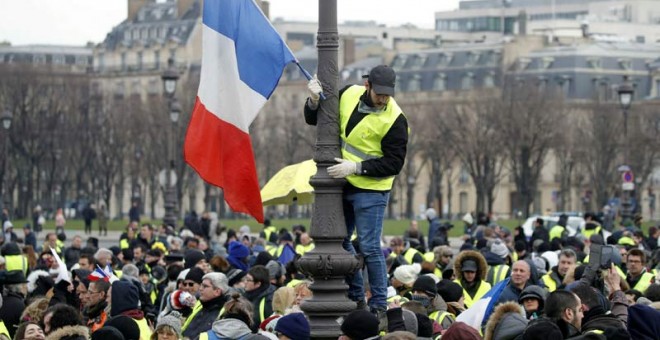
(507, 322)
(203, 320)
(12, 308)
(643, 322)
(229, 328)
(69, 333)
(255, 298)
(482, 266)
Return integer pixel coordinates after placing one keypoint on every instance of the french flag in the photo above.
(477, 315)
(243, 58)
(98, 275)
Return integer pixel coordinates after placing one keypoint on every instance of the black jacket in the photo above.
(394, 143)
(255, 296)
(204, 319)
(12, 308)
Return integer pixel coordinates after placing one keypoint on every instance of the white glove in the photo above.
(343, 168)
(314, 87)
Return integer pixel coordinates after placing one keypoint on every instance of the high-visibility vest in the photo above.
(301, 249)
(588, 232)
(440, 317)
(550, 282)
(626, 241)
(262, 310)
(293, 283)
(16, 262)
(3, 329)
(124, 244)
(409, 255)
(644, 282)
(196, 309)
(556, 232)
(145, 331)
(497, 273)
(484, 287)
(364, 141)
(268, 231)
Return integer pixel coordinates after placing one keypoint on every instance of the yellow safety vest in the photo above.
(409, 255)
(484, 287)
(441, 316)
(497, 273)
(588, 232)
(196, 308)
(626, 241)
(644, 282)
(16, 262)
(300, 249)
(3, 329)
(268, 231)
(364, 141)
(556, 232)
(145, 331)
(549, 282)
(123, 243)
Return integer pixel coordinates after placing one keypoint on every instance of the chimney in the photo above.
(134, 6)
(182, 6)
(349, 50)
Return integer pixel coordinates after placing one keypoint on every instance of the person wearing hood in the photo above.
(523, 274)
(65, 323)
(131, 273)
(259, 292)
(506, 323)
(235, 323)
(496, 257)
(643, 322)
(425, 292)
(452, 293)
(13, 299)
(212, 298)
(125, 299)
(470, 267)
(532, 299)
(555, 277)
(238, 255)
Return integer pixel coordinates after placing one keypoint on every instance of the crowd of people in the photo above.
(203, 281)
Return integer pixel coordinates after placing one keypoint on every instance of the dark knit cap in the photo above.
(128, 254)
(192, 257)
(294, 326)
(263, 258)
(449, 290)
(360, 324)
(195, 275)
(128, 328)
(542, 329)
(234, 276)
(125, 297)
(107, 333)
(425, 284)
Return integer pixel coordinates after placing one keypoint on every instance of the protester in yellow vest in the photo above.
(212, 298)
(374, 134)
(14, 259)
(269, 233)
(306, 244)
(638, 278)
(553, 280)
(125, 299)
(470, 267)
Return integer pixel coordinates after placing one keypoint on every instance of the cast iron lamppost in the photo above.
(7, 118)
(328, 263)
(626, 93)
(170, 77)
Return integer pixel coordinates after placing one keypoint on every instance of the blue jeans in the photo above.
(364, 211)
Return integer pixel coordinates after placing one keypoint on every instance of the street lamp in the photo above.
(626, 93)
(170, 77)
(328, 263)
(7, 118)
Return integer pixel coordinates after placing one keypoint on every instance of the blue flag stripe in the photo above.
(260, 51)
(494, 293)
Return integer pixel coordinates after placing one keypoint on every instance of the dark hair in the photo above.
(587, 295)
(149, 226)
(239, 308)
(63, 315)
(636, 293)
(101, 285)
(558, 301)
(639, 253)
(89, 257)
(653, 292)
(173, 272)
(20, 331)
(260, 274)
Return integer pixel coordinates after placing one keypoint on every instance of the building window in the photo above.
(101, 59)
(625, 64)
(123, 61)
(153, 87)
(157, 59)
(58, 59)
(463, 176)
(657, 88)
(415, 84)
(135, 88)
(468, 81)
(489, 80)
(565, 86)
(472, 58)
(139, 60)
(119, 90)
(81, 60)
(594, 63)
(399, 61)
(173, 53)
(546, 62)
(440, 83)
(39, 59)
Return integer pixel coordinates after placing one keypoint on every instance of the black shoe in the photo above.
(361, 305)
(381, 315)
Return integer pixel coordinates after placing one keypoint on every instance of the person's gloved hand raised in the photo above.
(314, 87)
(343, 168)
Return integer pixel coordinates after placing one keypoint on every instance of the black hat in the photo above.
(195, 275)
(360, 324)
(449, 290)
(469, 266)
(542, 329)
(173, 257)
(128, 328)
(107, 333)
(425, 284)
(382, 79)
(128, 254)
(192, 257)
(234, 276)
(13, 277)
(155, 252)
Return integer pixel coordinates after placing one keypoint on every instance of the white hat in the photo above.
(499, 248)
(407, 274)
(551, 257)
(467, 218)
(7, 225)
(431, 214)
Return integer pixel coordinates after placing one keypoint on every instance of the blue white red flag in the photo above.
(243, 58)
(98, 274)
(477, 315)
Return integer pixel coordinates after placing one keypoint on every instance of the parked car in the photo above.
(575, 223)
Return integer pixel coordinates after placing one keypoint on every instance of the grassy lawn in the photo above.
(391, 227)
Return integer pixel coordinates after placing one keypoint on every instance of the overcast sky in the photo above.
(75, 22)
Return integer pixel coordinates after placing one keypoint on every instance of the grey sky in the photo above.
(75, 22)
